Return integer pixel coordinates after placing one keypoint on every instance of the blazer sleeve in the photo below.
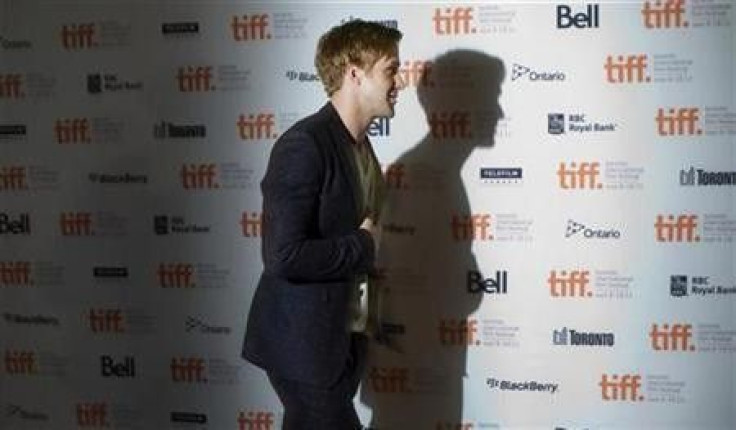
(293, 247)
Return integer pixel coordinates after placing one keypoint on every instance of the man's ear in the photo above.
(354, 74)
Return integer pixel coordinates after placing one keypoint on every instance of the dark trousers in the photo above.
(307, 407)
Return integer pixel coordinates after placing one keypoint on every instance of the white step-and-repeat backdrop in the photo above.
(558, 244)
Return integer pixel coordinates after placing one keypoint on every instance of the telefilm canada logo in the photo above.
(180, 29)
(502, 175)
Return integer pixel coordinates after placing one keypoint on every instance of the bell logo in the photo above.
(199, 176)
(92, 415)
(450, 125)
(253, 27)
(256, 126)
(680, 229)
(453, 21)
(13, 178)
(629, 69)
(195, 79)
(17, 273)
(395, 176)
(458, 332)
(76, 224)
(72, 130)
(11, 86)
(78, 36)
(667, 14)
(579, 176)
(587, 19)
(678, 122)
(417, 73)
(187, 369)
(252, 224)
(20, 362)
(177, 275)
(20, 226)
(675, 337)
(258, 420)
(471, 227)
(126, 369)
(379, 127)
(106, 321)
(621, 388)
(389, 379)
(573, 284)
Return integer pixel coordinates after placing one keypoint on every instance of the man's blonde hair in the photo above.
(356, 42)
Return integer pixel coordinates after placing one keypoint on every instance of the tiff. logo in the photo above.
(417, 73)
(194, 79)
(256, 126)
(253, 27)
(682, 229)
(572, 284)
(13, 178)
(92, 415)
(675, 337)
(72, 130)
(621, 388)
(78, 36)
(389, 379)
(629, 69)
(199, 176)
(678, 122)
(667, 14)
(453, 21)
(471, 227)
(450, 125)
(20, 362)
(395, 176)
(187, 369)
(458, 332)
(177, 275)
(106, 321)
(76, 224)
(11, 86)
(256, 420)
(252, 224)
(579, 176)
(15, 273)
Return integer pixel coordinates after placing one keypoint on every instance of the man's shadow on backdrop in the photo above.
(428, 230)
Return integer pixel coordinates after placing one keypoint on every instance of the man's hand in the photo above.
(373, 229)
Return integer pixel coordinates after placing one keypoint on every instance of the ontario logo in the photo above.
(520, 72)
(577, 229)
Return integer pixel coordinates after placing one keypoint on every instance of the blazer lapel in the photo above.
(344, 141)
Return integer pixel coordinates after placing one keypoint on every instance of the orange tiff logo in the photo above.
(11, 86)
(678, 122)
(250, 27)
(252, 224)
(176, 275)
(389, 379)
(187, 369)
(621, 388)
(471, 227)
(20, 362)
(256, 420)
(667, 14)
(15, 273)
(579, 176)
(675, 337)
(449, 125)
(257, 126)
(454, 332)
(682, 228)
(78, 36)
(92, 414)
(13, 178)
(199, 176)
(106, 321)
(195, 79)
(417, 73)
(395, 176)
(72, 130)
(453, 21)
(569, 284)
(626, 69)
(76, 224)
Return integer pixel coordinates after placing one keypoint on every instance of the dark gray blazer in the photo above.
(312, 251)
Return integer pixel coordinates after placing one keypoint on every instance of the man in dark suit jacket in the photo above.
(322, 195)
